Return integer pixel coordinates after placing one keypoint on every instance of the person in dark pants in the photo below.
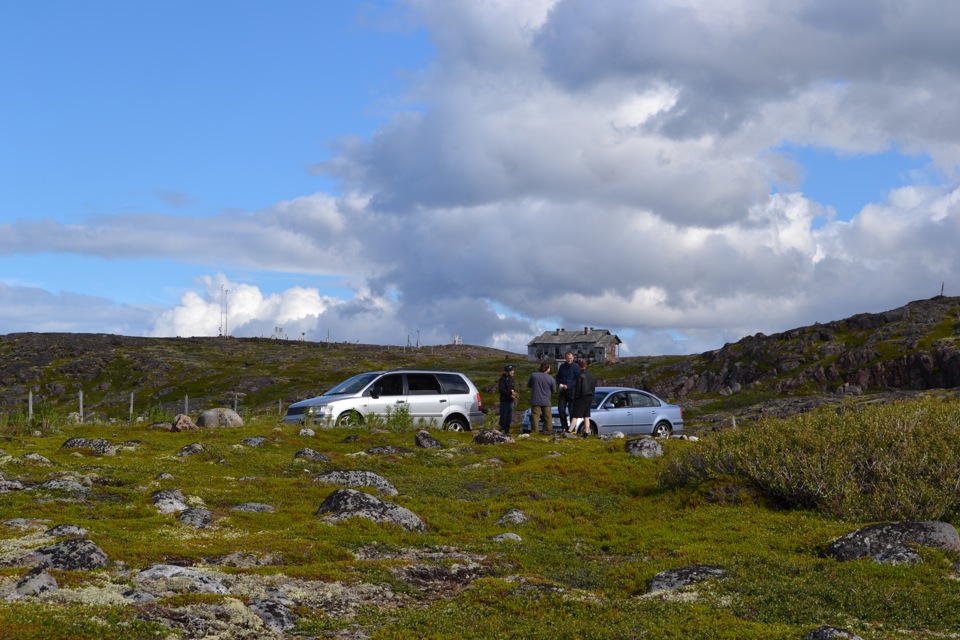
(567, 374)
(508, 393)
(542, 385)
(583, 399)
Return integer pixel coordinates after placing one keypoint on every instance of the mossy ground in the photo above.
(601, 526)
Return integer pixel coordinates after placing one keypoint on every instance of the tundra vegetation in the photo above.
(762, 501)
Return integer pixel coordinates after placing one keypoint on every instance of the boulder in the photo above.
(71, 555)
(220, 417)
(36, 582)
(97, 446)
(874, 539)
(275, 615)
(183, 422)
(254, 507)
(179, 580)
(426, 440)
(190, 450)
(196, 517)
(357, 478)
(313, 456)
(644, 448)
(513, 516)
(492, 436)
(169, 501)
(343, 504)
(674, 579)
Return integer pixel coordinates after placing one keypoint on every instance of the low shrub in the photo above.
(896, 461)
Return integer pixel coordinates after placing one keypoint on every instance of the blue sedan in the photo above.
(630, 411)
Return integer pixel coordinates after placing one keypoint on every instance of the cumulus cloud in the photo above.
(599, 163)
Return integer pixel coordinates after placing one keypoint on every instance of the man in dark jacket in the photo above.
(567, 374)
(508, 393)
(583, 399)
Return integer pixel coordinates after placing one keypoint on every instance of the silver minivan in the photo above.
(443, 399)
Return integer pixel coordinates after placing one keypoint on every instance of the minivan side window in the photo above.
(422, 384)
(453, 384)
(390, 384)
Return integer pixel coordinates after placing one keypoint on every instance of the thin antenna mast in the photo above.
(224, 329)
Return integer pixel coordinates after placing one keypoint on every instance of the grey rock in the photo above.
(426, 440)
(491, 436)
(830, 633)
(37, 581)
(343, 504)
(507, 537)
(98, 446)
(165, 476)
(179, 580)
(190, 450)
(873, 539)
(36, 458)
(220, 417)
(169, 501)
(387, 450)
(254, 441)
(183, 422)
(64, 530)
(10, 485)
(644, 448)
(674, 579)
(139, 597)
(307, 432)
(275, 615)
(357, 478)
(196, 517)
(513, 516)
(26, 523)
(313, 456)
(73, 554)
(66, 484)
(254, 507)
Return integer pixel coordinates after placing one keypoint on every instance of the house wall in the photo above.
(590, 351)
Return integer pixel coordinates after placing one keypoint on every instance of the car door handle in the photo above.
(401, 402)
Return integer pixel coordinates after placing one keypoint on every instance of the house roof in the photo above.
(561, 337)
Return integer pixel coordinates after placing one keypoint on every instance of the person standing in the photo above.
(542, 385)
(583, 398)
(567, 374)
(508, 393)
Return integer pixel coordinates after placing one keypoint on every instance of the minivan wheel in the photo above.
(662, 430)
(456, 423)
(349, 419)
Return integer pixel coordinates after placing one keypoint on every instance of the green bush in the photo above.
(897, 461)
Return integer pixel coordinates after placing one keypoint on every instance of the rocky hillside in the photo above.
(907, 350)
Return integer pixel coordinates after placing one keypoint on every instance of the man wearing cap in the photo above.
(508, 393)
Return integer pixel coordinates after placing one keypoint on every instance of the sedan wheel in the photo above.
(662, 430)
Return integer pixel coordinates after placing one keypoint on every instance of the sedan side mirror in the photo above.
(376, 392)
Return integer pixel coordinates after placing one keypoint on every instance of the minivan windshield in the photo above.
(356, 384)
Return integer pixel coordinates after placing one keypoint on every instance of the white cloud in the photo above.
(605, 163)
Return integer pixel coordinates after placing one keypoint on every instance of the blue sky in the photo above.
(680, 174)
